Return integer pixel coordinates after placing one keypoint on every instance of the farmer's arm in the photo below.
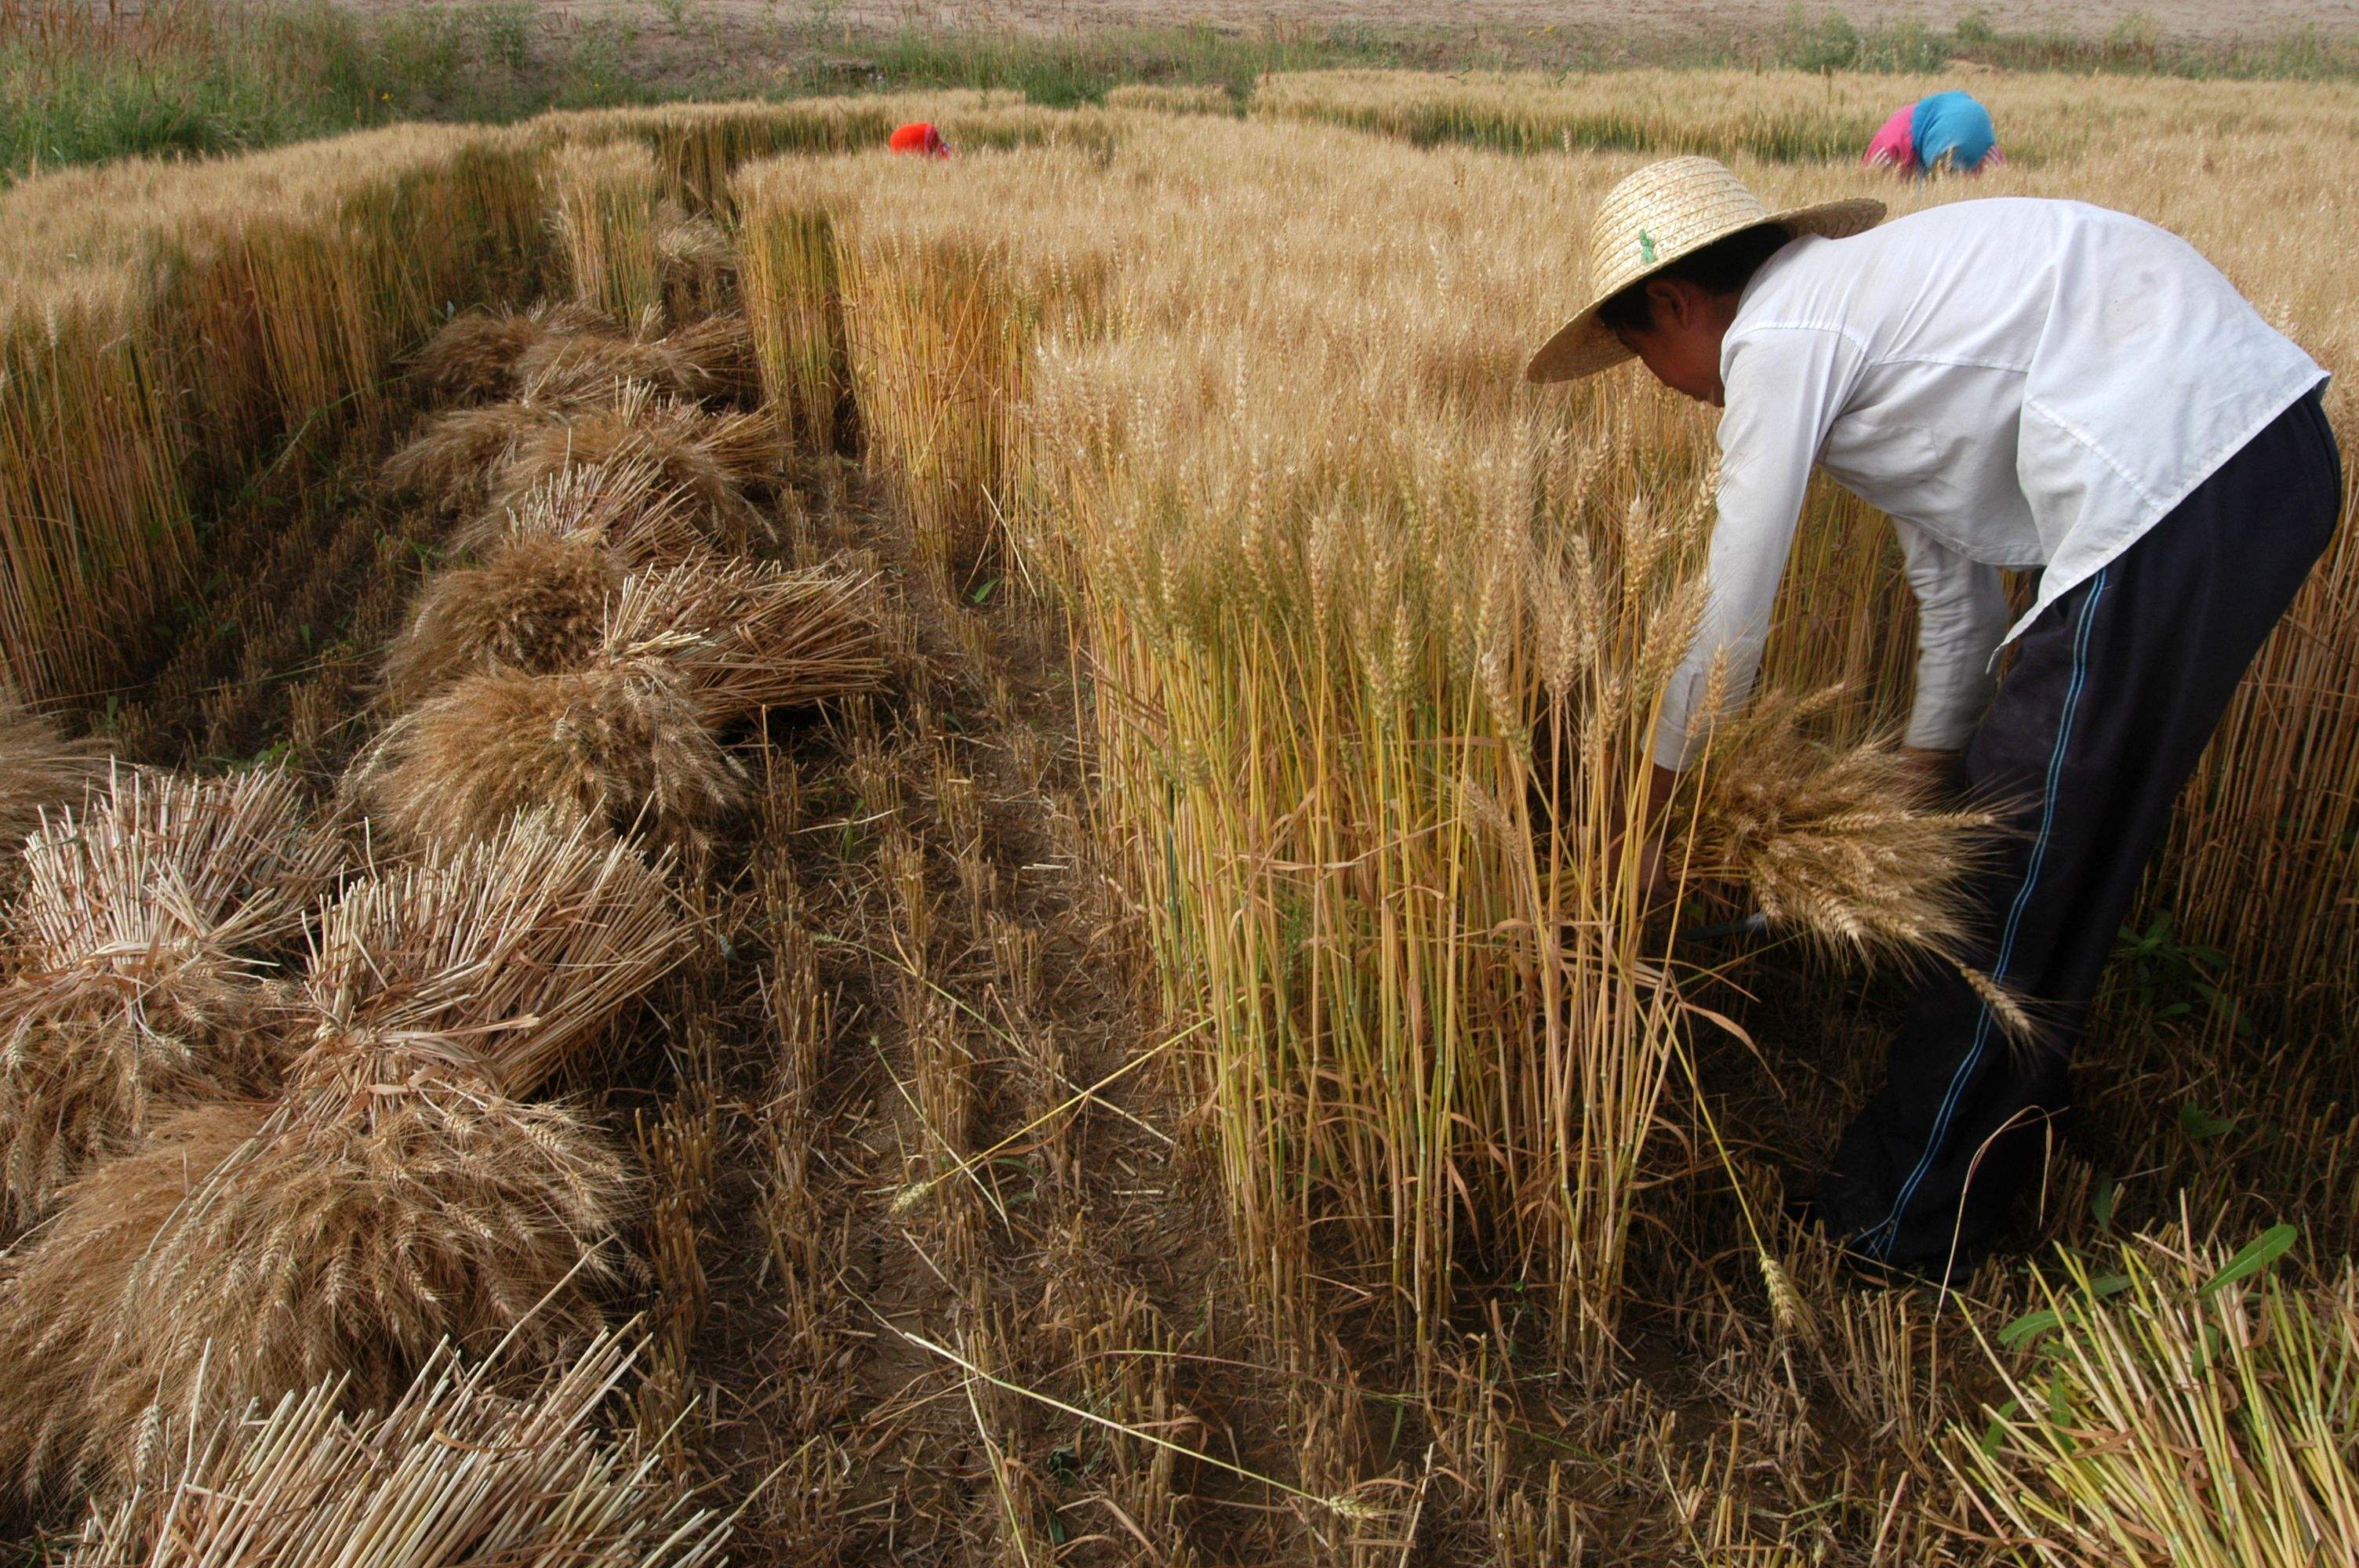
(1784, 388)
(1962, 615)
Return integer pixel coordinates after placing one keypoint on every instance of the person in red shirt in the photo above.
(920, 138)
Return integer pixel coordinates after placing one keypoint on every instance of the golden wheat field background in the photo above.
(733, 847)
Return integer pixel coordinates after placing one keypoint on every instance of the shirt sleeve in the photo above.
(1962, 616)
(1782, 387)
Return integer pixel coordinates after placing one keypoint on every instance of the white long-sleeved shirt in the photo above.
(2016, 382)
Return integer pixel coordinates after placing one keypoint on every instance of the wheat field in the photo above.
(854, 860)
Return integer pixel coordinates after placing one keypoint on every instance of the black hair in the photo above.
(1722, 267)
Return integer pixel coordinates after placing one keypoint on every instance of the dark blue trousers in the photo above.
(2113, 694)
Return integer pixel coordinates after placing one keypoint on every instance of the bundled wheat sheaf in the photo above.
(524, 944)
(706, 459)
(80, 1389)
(620, 748)
(535, 605)
(624, 506)
(450, 461)
(710, 361)
(744, 635)
(142, 936)
(482, 355)
(397, 1192)
(457, 1470)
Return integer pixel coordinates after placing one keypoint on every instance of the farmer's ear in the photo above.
(1669, 305)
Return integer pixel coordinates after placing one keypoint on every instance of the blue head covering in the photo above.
(1952, 125)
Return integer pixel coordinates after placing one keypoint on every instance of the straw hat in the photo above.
(1664, 211)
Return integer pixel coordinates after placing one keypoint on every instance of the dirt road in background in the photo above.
(1667, 20)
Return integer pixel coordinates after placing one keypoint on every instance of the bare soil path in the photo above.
(1662, 20)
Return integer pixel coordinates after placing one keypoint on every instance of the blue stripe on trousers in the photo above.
(1880, 1237)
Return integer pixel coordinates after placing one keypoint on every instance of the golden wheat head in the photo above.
(483, 353)
(535, 604)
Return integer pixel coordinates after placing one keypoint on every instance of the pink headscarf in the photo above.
(1895, 146)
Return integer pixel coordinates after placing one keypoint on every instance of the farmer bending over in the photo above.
(1946, 133)
(2042, 386)
(919, 139)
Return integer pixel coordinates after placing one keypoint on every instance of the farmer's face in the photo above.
(1681, 344)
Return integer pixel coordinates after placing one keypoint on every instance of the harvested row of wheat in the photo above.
(590, 660)
(328, 1171)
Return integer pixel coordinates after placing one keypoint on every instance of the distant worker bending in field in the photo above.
(2042, 386)
(919, 138)
(1947, 132)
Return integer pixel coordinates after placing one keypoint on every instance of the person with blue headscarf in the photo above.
(1948, 131)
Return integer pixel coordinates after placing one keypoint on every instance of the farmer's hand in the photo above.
(1653, 873)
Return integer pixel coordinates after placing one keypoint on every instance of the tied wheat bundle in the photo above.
(1842, 844)
(747, 636)
(391, 1200)
(397, 1191)
(449, 462)
(621, 749)
(527, 944)
(626, 507)
(143, 936)
(743, 635)
(73, 1394)
(707, 362)
(455, 1473)
(708, 458)
(482, 353)
(39, 769)
(538, 605)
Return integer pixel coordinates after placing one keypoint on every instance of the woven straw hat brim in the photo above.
(1583, 348)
